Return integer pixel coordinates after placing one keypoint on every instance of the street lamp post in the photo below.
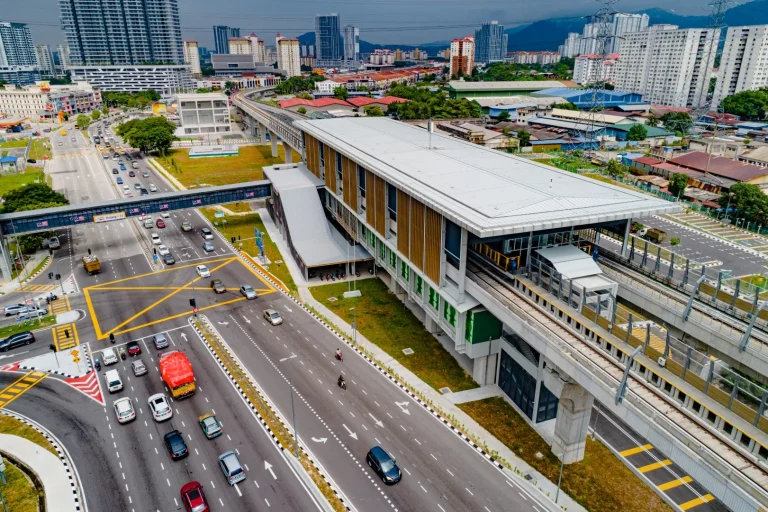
(354, 325)
(560, 478)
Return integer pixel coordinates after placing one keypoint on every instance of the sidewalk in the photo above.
(30, 262)
(55, 477)
(442, 403)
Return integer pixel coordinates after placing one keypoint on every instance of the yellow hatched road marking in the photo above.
(696, 502)
(636, 449)
(675, 483)
(11, 393)
(655, 465)
(60, 338)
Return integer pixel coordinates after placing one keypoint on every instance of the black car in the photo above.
(132, 174)
(384, 465)
(168, 259)
(16, 340)
(175, 444)
(31, 161)
(115, 171)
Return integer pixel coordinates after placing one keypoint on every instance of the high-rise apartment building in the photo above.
(351, 43)
(288, 57)
(250, 45)
(221, 36)
(16, 46)
(589, 41)
(744, 62)
(668, 65)
(591, 68)
(462, 56)
(489, 43)
(328, 37)
(64, 58)
(192, 57)
(45, 59)
(116, 32)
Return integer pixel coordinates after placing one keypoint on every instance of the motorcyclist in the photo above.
(97, 365)
(122, 353)
(338, 355)
(341, 381)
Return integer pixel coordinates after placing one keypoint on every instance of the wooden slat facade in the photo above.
(345, 196)
(330, 169)
(380, 191)
(433, 245)
(416, 234)
(370, 194)
(313, 160)
(403, 223)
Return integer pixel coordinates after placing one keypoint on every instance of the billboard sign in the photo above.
(108, 217)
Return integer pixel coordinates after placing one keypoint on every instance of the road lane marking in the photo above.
(654, 466)
(635, 450)
(696, 502)
(11, 393)
(675, 483)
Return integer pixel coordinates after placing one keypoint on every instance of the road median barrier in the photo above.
(266, 413)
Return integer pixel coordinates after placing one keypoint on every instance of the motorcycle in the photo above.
(370, 270)
(339, 356)
(342, 383)
(357, 273)
(97, 365)
(311, 274)
(122, 354)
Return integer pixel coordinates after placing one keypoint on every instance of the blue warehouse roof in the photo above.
(583, 98)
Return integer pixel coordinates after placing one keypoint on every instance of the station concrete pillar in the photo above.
(273, 140)
(431, 325)
(262, 133)
(288, 153)
(572, 423)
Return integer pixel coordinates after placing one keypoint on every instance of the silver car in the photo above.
(160, 340)
(138, 367)
(248, 291)
(231, 467)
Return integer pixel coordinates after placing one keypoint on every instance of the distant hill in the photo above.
(549, 34)
(308, 38)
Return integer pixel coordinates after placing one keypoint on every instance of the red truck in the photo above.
(177, 374)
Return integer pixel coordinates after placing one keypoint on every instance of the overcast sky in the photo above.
(380, 21)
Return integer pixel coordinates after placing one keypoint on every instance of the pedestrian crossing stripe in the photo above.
(37, 287)
(60, 306)
(635, 450)
(655, 465)
(65, 336)
(696, 502)
(675, 483)
(24, 384)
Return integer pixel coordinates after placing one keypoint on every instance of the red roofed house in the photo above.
(361, 102)
(318, 105)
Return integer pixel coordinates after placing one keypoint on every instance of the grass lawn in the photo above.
(243, 226)
(18, 143)
(29, 325)
(10, 182)
(12, 426)
(600, 482)
(387, 323)
(20, 493)
(237, 207)
(38, 151)
(220, 170)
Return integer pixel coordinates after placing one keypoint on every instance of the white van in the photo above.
(135, 164)
(108, 356)
(112, 378)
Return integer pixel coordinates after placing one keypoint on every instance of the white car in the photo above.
(156, 239)
(165, 215)
(203, 271)
(152, 187)
(124, 410)
(163, 250)
(161, 409)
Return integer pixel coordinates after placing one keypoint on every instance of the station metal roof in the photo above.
(486, 191)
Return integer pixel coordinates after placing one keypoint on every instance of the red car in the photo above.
(134, 348)
(160, 223)
(193, 498)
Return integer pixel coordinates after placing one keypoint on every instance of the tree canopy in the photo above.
(83, 121)
(565, 106)
(373, 111)
(748, 201)
(637, 132)
(140, 100)
(677, 184)
(425, 104)
(677, 121)
(748, 104)
(615, 168)
(95, 115)
(340, 93)
(298, 84)
(32, 197)
(151, 134)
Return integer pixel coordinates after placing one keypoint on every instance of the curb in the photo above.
(62, 374)
(61, 454)
(267, 402)
(42, 269)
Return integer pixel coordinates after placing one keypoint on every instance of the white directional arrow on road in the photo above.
(287, 358)
(403, 407)
(289, 309)
(246, 320)
(377, 422)
(351, 434)
(184, 336)
(223, 323)
(321, 440)
(268, 467)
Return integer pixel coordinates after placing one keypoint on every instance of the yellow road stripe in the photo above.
(104, 285)
(696, 502)
(17, 393)
(636, 449)
(675, 483)
(163, 299)
(655, 465)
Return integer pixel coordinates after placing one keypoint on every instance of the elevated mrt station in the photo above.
(498, 255)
